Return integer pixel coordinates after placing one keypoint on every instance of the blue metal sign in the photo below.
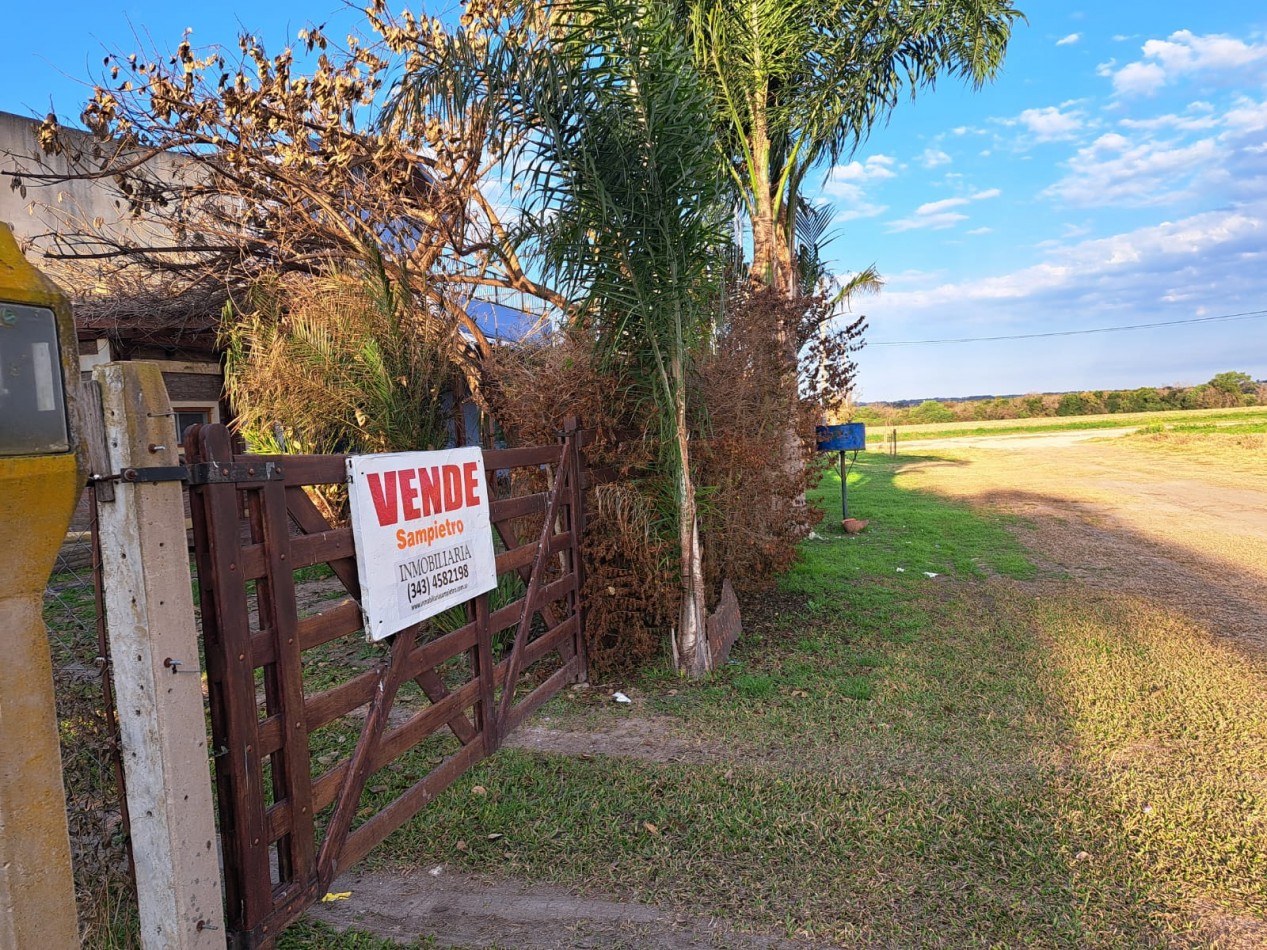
(850, 437)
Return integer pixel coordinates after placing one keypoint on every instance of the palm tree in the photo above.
(609, 128)
(799, 81)
(796, 82)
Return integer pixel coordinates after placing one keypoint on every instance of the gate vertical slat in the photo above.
(576, 512)
(292, 774)
(532, 594)
(484, 669)
(231, 678)
(310, 521)
(508, 538)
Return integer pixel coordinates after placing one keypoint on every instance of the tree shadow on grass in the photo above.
(1156, 658)
(1076, 764)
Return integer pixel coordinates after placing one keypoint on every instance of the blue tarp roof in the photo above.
(500, 322)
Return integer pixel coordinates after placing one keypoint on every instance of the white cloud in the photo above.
(1069, 40)
(934, 158)
(1177, 122)
(938, 221)
(936, 207)
(874, 168)
(1246, 116)
(1187, 52)
(1193, 251)
(1203, 154)
(1137, 79)
(939, 215)
(853, 202)
(1048, 124)
(865, 209)
(976, 231)
(847, 185)
(1184, 54)
(1115, 170)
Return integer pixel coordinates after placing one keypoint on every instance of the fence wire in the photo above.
(89, 737)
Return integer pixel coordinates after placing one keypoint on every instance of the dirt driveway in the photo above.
(1154, 516)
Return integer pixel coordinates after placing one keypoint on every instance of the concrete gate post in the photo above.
(154, 655)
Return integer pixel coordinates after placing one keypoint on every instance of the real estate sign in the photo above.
(423, 538)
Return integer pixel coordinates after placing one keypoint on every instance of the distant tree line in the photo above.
(1224, 391)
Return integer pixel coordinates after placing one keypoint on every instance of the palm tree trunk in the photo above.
(693, 654)
(764, 230)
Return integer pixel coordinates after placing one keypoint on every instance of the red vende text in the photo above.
(422, 492)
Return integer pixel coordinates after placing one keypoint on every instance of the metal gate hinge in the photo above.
(203, 473)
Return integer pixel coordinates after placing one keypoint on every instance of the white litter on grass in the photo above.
(901, 570)
(930, 574)
(621, 698)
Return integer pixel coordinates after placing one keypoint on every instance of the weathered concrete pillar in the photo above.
(154, 650)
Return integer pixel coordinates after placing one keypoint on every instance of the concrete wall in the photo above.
(87, 207)
(75, 206)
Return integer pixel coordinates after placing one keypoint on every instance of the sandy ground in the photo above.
(1125, 513)
(1099, 508)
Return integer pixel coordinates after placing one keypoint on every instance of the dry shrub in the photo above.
(630, 586)
(752, 519)
(752, 513)
(630, 593)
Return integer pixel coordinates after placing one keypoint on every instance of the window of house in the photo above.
(188, 413)
(189, 417)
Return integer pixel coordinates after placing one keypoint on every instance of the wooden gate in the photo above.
(292, 820)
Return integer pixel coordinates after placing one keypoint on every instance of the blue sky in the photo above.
(1114, 174)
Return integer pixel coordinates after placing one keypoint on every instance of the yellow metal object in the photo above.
(37, 498)
(38, 494)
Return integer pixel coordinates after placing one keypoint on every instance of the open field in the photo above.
(1058, 740)
(1253, 417)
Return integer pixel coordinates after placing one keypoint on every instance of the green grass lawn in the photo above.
(988, 757)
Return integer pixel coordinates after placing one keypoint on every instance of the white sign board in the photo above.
(424, 542)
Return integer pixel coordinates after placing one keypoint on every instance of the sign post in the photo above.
(850, 437)
(41, 477)
(423, 537)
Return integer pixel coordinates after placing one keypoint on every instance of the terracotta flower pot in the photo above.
(853, 525)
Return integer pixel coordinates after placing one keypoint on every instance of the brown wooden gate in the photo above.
(290, 820)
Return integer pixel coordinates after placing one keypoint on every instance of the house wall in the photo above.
(36, 211)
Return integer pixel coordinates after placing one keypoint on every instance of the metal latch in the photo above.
(202, 473)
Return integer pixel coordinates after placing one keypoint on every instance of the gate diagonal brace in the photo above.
(201, 473)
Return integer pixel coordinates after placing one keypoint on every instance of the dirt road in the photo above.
(1184, 521)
